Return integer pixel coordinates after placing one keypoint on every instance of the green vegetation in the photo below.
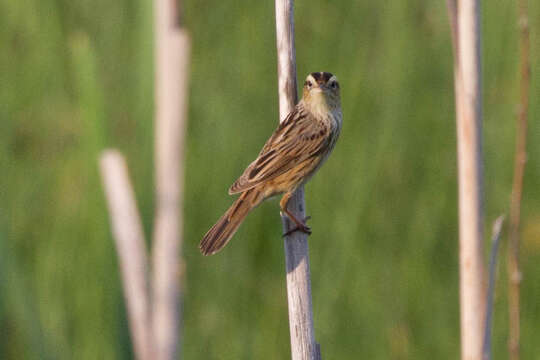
(77, 76)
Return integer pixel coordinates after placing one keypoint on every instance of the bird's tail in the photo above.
(220, 234)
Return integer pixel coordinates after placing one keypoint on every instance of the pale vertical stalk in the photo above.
(129, 240)
(465, 23)
(469, 133)
(171, 78)
(303, 344)
(514, 272)
(286, 57)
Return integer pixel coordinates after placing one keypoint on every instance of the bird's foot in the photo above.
(300, 226)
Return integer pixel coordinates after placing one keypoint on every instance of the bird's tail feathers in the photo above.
(220, 234)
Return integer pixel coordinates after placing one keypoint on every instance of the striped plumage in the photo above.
(294, 152)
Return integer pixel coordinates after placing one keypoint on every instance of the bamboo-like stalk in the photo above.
(465, 22)
(303, 344)
(514, 272)
(129, 240)
(171, 78)
(155, 324)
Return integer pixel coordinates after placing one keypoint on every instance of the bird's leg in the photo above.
(300, 225)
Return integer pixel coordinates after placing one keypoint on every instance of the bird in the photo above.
(291, 156)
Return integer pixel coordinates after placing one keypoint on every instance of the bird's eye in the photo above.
(333, 85)
(308, 84)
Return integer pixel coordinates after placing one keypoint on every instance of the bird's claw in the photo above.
(300, 227)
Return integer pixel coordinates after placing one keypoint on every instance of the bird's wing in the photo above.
(296, 139)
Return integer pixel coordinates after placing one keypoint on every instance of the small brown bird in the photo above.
(294, 152)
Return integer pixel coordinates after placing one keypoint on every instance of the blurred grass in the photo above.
(77, 76)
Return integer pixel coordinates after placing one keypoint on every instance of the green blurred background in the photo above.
(77, 76)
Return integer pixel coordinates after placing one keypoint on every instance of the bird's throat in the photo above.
(318, 104)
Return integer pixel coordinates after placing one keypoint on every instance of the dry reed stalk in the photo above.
(465, 23)
(155, 324)
(303, 344)
(129, 240)
(171, 77)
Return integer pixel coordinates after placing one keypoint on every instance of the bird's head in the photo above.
(321, 92)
